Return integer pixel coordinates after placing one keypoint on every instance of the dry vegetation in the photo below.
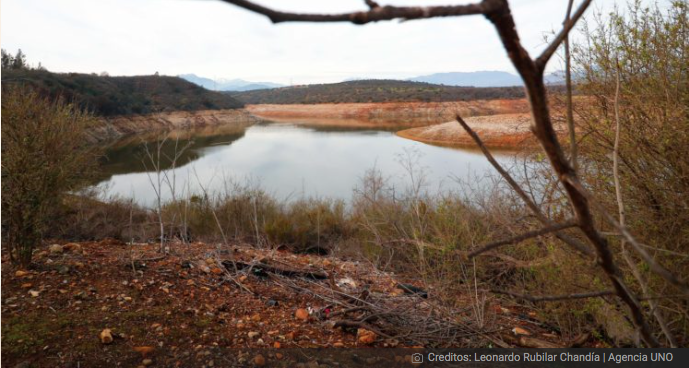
(486, 253)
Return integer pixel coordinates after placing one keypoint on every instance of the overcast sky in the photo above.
(217, 40)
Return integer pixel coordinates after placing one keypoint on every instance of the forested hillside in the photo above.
(109, 96)
(374, 91)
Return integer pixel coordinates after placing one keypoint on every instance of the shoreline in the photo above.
(498, 131)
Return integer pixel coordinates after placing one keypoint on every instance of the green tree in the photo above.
(7, 59)
(19, 61)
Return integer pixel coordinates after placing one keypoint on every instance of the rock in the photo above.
(302, 314)
(72, 247)
(34, 293)
(20, 273)
(106, 336)
(147, 362)
(365, 336)
(259, 360)
(203, 267)
(56, 249)
(253, 334)
(144, 350)
(520, 331)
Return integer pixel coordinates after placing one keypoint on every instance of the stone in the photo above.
(56, 249)
(72, 247)
(259, 360)
(253, 334)
(365, 336)
(144, 350)
(106, 336)
(302, 314)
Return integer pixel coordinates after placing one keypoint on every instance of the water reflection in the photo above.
(290, 161)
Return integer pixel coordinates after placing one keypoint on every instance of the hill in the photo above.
(109, 96)
(374, 91)
(228, 85)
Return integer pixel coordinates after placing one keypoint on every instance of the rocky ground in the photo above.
(107, 302)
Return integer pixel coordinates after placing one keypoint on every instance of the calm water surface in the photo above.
(288, 161)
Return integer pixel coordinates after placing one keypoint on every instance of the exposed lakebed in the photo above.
(289, 161)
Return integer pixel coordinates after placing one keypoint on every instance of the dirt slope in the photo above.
(401, 113)
(505, 131)
(121, 126)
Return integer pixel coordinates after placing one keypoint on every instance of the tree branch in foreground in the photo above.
(522, 237)
(520, 192)
(375, 14)
(555, 44)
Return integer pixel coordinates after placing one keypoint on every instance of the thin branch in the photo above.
(553, 298)
(375, 14)
(542, 60)
(520, 192)
(568, 82)
(522, 237)
(620, 205)
(654, 266)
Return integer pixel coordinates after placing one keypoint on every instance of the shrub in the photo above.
(44, 155)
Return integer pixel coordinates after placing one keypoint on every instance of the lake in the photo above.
(287, 160)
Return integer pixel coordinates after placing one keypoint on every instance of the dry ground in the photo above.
(187, 309)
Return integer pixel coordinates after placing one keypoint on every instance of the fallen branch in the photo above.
(553, 298)
(276, 270)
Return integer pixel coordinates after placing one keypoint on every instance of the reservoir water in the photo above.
(287, 160)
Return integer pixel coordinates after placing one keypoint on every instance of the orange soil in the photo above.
(412, 113)
(506, 130)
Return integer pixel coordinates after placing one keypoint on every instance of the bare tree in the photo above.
(531, 71)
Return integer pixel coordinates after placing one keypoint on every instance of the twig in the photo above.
(520, 192)
(552, 298)
(542, 60)
(522, 237)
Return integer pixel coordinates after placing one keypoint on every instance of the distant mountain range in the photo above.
(228, 84)
(482, 79)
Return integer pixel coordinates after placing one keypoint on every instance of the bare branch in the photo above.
(554, 298)
(654, 266)
(372, 4)
(375, 14)
(620, 204)
(542, 60)
(568, 82)
(520, 192)
(522, 237)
